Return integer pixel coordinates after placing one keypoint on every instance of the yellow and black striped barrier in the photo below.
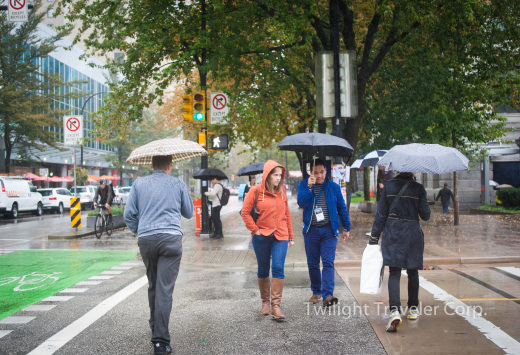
(75, 212)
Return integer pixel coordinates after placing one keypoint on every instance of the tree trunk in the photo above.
(456, 198)
(366, 183)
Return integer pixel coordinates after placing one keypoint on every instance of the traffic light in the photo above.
(202, 139)
(199, 107)
(187, 107)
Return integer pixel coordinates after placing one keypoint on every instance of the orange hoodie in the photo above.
(274, 216)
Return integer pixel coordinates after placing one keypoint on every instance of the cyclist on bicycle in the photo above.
(104, 192)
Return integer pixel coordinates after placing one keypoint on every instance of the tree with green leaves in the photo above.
(458, 68)
(27, 95)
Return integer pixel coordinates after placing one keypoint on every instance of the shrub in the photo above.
(115, 211)
(358, 193)
(509, 197)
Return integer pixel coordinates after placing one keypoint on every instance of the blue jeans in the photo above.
(445, 206)
(320, 242)
(267, 248)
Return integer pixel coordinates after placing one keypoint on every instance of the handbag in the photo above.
(372, 270)
(254, 212)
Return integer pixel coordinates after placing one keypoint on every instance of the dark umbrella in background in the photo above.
(210, 174)
(317, 144)
(252, 169)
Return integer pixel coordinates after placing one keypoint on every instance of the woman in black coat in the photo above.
(403, 240)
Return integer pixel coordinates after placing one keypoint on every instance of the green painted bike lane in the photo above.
(29, 276)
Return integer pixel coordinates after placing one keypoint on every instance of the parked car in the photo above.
(86, 195)
(56, 200)
(17, 195)
(121, 195)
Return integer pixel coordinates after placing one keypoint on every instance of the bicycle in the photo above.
(103, 222)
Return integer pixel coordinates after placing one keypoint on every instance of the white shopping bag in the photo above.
(371, 270)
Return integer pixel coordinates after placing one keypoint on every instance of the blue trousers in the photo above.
(445, 206)
(267, 248)
(320, 242)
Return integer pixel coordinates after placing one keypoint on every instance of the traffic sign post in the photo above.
(17, 11)
(219, 107)
(72, 130)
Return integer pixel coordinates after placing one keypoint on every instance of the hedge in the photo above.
(509, 197)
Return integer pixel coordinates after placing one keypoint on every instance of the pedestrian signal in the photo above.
(199, 107)
(187, 107)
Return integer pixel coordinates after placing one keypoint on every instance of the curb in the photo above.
(72, 235)
(445, 261)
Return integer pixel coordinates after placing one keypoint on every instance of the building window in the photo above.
(50, 13)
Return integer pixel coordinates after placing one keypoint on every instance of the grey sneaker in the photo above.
(413, 314)
(394, 322)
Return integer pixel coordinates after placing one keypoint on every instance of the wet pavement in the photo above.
(216, 301)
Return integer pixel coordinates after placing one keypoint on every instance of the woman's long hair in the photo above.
(274, 189)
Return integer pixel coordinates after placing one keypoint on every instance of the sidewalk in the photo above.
(477, 239)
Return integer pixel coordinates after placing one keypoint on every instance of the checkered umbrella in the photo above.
(424, 158)
(368, 159)
(178, 148)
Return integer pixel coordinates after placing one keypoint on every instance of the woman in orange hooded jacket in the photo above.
(272, 234)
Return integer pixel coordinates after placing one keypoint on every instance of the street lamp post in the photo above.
(81, 114)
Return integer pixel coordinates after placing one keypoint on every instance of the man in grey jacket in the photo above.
(153, 212)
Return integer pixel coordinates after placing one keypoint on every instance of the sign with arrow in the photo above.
(218, 108)
(17, 11)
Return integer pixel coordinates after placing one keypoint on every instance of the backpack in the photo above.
(225, 196)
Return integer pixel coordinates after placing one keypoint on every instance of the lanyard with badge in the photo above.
(318, 212)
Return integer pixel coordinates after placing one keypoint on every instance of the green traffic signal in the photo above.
(198, 116)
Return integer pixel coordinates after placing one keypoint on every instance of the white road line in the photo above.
(132, 263)
(490, 331)
(61, 338)
(16, 320)
(100, 277)
(39, 308)
(3, 333)
(88, 283)
(510, 269)
(111, 272)
(74, 290)
(57, 299)
(121, 268)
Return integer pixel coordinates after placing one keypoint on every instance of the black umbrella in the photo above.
(209, 174)
(318, 144)
(253, 169)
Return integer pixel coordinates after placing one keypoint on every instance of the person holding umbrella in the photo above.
(272, 234)
(216, 207)
(324, 210)
(403, 202)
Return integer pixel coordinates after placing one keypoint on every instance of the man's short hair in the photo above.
(161, 162)
(318, 162)
(445, 184)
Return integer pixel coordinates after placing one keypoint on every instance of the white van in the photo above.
(17, 195)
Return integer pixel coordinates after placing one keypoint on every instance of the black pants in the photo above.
(215, 217)
(394, 290)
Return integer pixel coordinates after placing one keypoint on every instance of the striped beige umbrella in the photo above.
(179, 149)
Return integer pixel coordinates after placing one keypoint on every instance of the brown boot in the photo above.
(265, 289)
(314, 299)
(276, 298)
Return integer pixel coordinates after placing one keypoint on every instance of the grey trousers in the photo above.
(161, 255)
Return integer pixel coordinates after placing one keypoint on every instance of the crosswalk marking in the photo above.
(16, 320)
(100, 277)
(121, 268)
(111, 272)
(3, 333)
(39, 308)
(74, 290)
(57, 298)
(490, 331)
(88, 283)
(510, 269)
